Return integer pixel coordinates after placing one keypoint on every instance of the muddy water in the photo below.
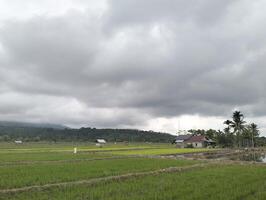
(252, 156)
(239, 155)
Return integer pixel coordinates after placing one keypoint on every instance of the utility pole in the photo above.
(179, 127)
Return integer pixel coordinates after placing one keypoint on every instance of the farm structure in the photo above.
(100, 142)
(195, 141)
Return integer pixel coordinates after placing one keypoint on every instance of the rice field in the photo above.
(122, 171)
(163, 151)
(217, 183)
(39, 174)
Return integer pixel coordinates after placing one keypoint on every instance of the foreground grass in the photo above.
(15, 176)
(214, 183)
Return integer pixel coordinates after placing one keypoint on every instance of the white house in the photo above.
(100, 142)
(18, 142)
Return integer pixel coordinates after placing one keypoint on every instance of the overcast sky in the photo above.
(150, 64)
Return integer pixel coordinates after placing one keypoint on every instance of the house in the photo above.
(100, 142)
(180, 140)
(194, 141)
(18, 142)
(197, 141)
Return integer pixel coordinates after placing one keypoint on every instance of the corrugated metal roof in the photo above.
(101, 141)
(197, 138)
(183, 137)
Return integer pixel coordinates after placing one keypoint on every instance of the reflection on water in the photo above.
(240, 155)
(252, 156)
(231, 154)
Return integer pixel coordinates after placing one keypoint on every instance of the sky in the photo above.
(159, 65)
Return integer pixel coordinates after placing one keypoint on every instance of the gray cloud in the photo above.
(154, 11)
(138, 61)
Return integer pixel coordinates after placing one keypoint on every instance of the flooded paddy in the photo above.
(237, 155)
(251, 156)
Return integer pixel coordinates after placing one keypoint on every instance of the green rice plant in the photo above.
(232, 182)
(19, 158)
(13, 176)
(160, 151)
(68, 147)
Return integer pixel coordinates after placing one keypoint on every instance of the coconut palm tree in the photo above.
(228, 133)
(237, 124)
(254, 131)
(228, 123)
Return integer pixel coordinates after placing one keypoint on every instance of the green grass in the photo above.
(42, 173)
(213, 183)
(32, 164)
(68, 147)
(162, 151)
(52, 152)
(17, 158)
(52, 145)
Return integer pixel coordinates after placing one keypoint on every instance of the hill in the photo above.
(30, 125)
(10, 131)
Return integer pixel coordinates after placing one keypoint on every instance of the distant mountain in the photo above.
(10, 131)
(30, 125)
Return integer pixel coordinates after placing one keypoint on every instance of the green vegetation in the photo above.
(52, 171)
(237, 133)
(165, 151)
(33, 146)
(36, 134)
(43, 173)
(213, 183)
(10, 152)
(16, 157)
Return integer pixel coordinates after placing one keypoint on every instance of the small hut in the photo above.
(100, 142)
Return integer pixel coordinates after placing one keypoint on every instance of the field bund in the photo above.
(118, 171)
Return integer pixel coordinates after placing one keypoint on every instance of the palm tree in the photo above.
(238, 125)
(228, 123)
(229, 135)
(246, 135)
(254, 131)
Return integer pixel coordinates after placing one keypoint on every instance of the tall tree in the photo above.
(254, 131)
(238, 125)
(228, 134)
(228, 123)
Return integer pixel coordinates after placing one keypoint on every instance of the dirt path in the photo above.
(62, 161)
(109, 178)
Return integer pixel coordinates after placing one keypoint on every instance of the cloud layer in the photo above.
(130, 63)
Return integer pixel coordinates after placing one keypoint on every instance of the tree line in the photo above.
(237, 133)
(28, 134)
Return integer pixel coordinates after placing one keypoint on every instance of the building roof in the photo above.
(101, 141)
(211, 141)
(183, 137)
(197, 138)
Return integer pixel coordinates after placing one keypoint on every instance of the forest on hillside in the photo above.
(83, 134)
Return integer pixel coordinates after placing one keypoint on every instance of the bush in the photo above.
(189, 146)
